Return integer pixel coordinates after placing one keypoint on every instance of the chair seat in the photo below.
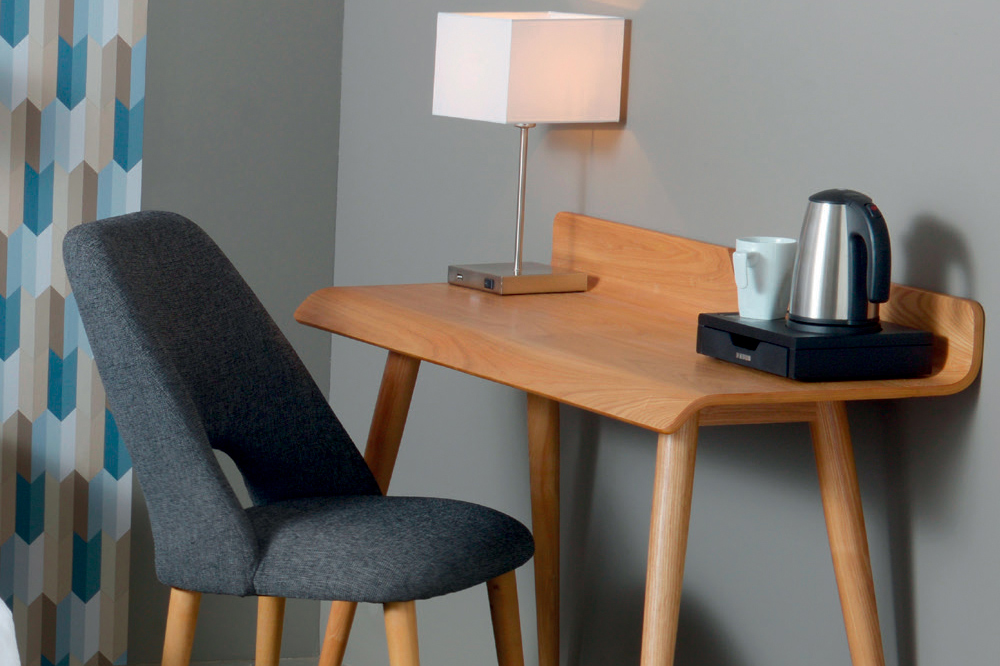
(382, 549)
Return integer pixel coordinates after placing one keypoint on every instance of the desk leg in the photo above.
(384, 436)
(543, 452)
(668, 532)
(845, 524)
(391, 409)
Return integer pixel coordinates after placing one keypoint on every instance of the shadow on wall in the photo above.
(601, 604)
(938, 258)
(925, 447)
(569, 153)
(581, 434)
(602, 598)
(700, 639)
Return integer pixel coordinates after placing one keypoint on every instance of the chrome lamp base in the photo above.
(501, 279)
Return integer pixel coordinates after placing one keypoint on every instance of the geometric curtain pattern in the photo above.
(72, 85)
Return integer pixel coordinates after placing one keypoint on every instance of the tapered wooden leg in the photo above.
(543, 452)
(389, 418)
(506, 616)
(338, 629)
(270, 621)
(668, 532)
(845, 525)
(384, 437)
(182, 616)
(401, 633)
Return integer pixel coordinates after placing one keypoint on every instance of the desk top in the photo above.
(626, 347)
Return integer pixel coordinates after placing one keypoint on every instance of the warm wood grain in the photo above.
(401, 633)
(182, 617)
(338, 630)
(543, 455)
(668, 533)
(626, 348)
(506, 618)
(958, 325)
(718, 415)
(601, 353)
(270, 621)
(389, 417)
(644, 266)
(845, 524)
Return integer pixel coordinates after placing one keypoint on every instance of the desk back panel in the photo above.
(649, 267)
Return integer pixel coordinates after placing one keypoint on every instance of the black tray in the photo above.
(893, 352)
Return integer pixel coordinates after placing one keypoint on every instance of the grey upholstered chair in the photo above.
(192, 362)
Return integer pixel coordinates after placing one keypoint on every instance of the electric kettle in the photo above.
(842, 269)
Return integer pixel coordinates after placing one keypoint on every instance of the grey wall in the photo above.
(737, 113)
(242, 118)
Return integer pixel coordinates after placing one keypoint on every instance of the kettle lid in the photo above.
(842, 197)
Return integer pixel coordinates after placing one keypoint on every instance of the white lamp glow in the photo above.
(524, 68)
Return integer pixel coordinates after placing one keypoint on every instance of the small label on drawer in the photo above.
(743, 351)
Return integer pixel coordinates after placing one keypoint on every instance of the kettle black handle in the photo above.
(875, 233)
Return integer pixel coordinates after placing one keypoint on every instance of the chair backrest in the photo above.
(191, 361)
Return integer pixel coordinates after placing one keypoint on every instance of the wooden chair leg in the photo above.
(338, 629)
(506, 619)
(182, 616)
(401, 633)
(270, 621)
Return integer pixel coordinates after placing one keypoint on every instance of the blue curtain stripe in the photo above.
(62, 384)
(64, 618)
(71, 81)
(38, 191)
(86, 566)
(128, 134)
(14, 21)
(7, 572)
(10, 323)
(81, 19)
(137, 84)
(116, 457)
(30, 513)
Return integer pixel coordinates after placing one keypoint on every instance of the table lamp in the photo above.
(524, 68)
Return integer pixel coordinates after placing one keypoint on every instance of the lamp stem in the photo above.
(522, 176)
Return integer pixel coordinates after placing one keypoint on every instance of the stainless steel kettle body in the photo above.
(843, 265)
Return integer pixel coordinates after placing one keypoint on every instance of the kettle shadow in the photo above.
(938, 257)
(924, 447)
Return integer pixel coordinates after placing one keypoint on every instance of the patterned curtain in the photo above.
(72, 83)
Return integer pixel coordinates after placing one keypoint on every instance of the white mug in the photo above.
(763, 267)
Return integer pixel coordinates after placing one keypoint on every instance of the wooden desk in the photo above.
(625, 349)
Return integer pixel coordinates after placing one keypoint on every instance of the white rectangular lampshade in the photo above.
(529, 67)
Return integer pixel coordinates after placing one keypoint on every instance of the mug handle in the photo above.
(740, 270)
